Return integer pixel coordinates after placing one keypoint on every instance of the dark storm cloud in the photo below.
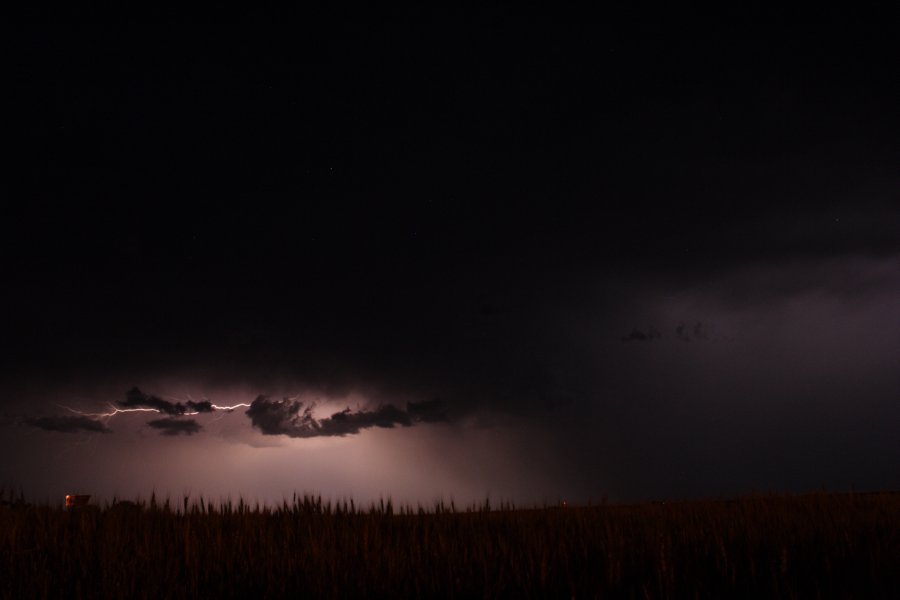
(347, 422)
(696, 332)
(428, 411)
(135, 398)
(685, 332)
(847, 277)
(637, 335)
(68, 424)
(290, 417)
(173, 427)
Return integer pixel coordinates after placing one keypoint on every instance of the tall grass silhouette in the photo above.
(816, 545)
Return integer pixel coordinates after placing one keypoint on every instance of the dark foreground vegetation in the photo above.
(818, 545)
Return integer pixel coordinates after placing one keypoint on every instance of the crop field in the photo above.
(807, 546)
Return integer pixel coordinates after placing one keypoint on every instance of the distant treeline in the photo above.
(816, 545)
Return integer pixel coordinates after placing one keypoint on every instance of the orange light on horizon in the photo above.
(77, 500)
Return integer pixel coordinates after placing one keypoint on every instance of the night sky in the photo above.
(526, 261)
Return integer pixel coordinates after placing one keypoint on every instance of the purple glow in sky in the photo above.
(791, 389)
(567, 262)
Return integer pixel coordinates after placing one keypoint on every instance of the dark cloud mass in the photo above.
(428, 411)
(135, 398)
(696, 332)
(638, 335)
(173, 427)
(204, 406)
(291, 418)
(68, 424)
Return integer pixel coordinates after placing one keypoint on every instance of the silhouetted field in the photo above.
(817, 545)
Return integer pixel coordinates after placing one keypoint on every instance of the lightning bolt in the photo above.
(215, 406)
(113, 410)
(231, 408)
